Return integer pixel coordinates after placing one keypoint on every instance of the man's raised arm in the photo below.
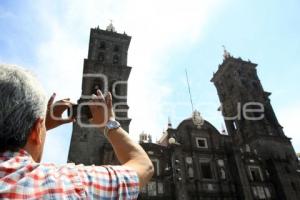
(128, 152)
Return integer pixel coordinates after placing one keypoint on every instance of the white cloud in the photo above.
(156, 28)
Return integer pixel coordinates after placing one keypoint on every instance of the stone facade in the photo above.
(254, 160)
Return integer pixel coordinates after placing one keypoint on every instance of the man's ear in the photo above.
(35, 136)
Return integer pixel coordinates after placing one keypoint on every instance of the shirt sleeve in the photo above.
(109, 182)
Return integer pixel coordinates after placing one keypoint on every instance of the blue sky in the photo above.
(51, 39)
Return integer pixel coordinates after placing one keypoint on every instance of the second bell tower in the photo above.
(250, 120)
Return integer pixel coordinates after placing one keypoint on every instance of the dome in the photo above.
(206, 125)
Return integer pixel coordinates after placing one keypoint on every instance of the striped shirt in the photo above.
(22, 178)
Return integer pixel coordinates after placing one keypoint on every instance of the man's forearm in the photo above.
(131, 154)
(128, 152)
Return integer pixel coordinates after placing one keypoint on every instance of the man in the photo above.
(24, 119)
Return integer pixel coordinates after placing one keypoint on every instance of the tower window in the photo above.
(102, 45)
(116, 59)
(98, 84)
(117, 89)
(116, 48)
(95, 88)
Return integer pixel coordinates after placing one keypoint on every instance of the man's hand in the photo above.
(101, 109)
(55, 111)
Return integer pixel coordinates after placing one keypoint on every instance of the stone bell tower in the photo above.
(245, 105)
(250, 120)
(105, 69)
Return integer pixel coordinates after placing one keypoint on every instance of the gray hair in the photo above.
(22, 102)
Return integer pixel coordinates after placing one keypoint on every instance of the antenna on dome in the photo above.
(196, 116)
(188, 84)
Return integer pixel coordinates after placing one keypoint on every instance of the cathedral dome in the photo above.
(189, 123)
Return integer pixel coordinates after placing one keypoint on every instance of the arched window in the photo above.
(116, 59)
(98, 84)
(102, 45)
(116, 48)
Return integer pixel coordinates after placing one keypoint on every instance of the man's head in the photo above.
(22, 111)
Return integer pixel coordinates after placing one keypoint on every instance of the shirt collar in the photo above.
(21, 153)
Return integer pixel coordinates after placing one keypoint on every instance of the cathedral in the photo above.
(254, 160)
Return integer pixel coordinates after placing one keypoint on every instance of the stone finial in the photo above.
(197, 119)
(145, 138)
(226, 53)
(111, 27)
